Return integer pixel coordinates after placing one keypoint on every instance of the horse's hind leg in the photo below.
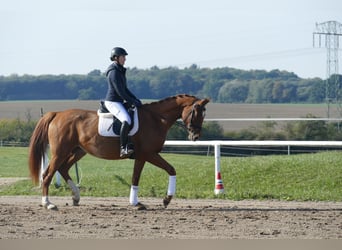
(50, 171)
(61, 161)
(77, 154)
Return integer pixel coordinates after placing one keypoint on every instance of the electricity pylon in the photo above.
(331, 32)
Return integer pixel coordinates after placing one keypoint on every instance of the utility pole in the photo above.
(330, 32)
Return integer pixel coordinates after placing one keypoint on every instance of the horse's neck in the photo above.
(170, 110)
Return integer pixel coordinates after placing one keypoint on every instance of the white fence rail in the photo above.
(271, 119)
(255, 143)
(217, 147)
(12, 144)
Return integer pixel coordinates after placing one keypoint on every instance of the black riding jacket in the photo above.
(117, 86)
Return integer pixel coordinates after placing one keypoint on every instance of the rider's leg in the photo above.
(118, 110)
(125, 151)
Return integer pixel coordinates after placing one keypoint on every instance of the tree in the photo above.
(95, 72)
(211, 89)
(307, 130)
(211, 131)
(317, 91)
(233, 92)
(87, 94)
(219, 84)
(277, 92)
(176, 132)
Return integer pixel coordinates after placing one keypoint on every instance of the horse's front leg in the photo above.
(170, 191)
(158, 161)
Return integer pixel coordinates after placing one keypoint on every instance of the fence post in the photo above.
(58, 179)
(218, 181)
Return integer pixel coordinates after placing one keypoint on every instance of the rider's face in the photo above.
(122, 60)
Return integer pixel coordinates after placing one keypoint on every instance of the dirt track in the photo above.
(111, 218)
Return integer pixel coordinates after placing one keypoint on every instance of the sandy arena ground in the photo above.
(22, 217)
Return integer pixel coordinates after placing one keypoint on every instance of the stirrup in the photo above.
(126, 152)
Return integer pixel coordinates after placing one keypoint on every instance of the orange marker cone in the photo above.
(219, 189)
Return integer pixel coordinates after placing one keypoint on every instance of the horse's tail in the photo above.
(38, 145)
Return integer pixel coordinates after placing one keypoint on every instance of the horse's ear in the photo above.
(204, 101)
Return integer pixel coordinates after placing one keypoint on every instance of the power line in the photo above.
(257, 57)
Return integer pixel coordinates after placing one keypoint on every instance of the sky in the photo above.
(76, 36)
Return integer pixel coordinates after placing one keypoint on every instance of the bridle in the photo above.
(190, 116)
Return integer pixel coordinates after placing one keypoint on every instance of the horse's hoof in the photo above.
(167, 200)
(140, 206)
(75, 202)
(50, 206)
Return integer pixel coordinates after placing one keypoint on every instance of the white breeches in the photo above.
(119, 111)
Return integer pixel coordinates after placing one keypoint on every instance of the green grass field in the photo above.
(316, 177)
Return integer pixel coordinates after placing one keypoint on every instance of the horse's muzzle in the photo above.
(193, 137)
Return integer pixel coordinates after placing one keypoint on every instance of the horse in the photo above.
(72, 133)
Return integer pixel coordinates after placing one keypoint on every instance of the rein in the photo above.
(177, 123)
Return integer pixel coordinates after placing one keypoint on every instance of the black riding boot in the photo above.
(125, 151)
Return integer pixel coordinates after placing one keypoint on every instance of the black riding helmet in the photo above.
(117, 51)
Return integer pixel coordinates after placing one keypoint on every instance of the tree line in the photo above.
(225, 85)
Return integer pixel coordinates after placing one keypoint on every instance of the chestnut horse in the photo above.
(71, 134)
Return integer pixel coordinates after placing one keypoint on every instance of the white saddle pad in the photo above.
(106, 121)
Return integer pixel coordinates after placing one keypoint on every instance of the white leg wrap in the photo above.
(133, 197)
(47, 204)
(75, 190)
(45, 200)
(172, 185)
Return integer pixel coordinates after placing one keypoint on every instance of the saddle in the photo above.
(109, 125)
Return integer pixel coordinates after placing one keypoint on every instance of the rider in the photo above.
(117, 94)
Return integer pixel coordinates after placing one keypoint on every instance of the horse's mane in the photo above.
(170, 98)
